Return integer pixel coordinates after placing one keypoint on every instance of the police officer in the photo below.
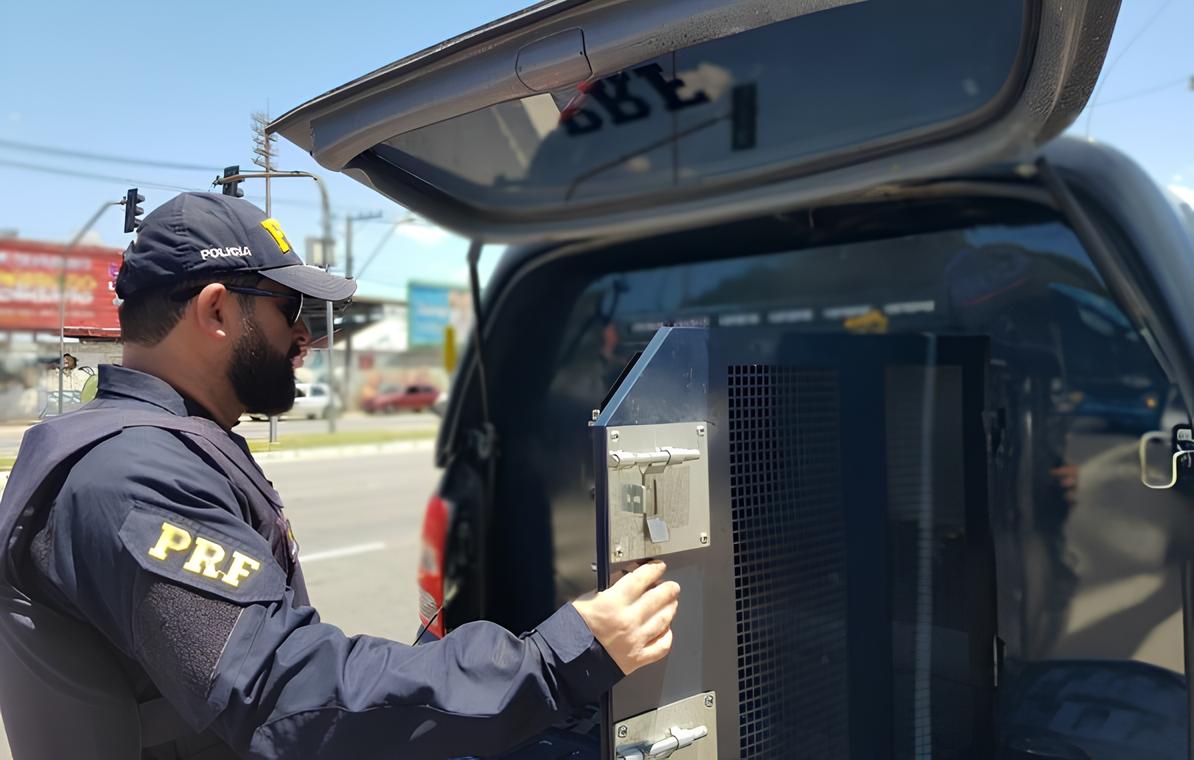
(151, 599)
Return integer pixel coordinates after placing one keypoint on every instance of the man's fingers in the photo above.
(657, 598)
(660, 621)
(632, 618)
(632, 585)
(657, 649)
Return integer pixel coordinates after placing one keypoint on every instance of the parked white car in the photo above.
(311, 400)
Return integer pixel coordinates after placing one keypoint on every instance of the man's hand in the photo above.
(633, 618)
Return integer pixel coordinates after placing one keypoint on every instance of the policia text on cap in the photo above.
(151, 599)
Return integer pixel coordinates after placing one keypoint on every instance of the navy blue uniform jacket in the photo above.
(147, 543)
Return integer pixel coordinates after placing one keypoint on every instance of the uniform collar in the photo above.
(121, 382)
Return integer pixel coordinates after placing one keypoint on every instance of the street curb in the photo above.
(344, 452)
(324, 452)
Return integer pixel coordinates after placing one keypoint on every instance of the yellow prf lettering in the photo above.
(240, 567)
(272, 227)
(173, 539)
(204, 558)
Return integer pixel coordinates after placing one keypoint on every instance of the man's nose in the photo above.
(302, 334)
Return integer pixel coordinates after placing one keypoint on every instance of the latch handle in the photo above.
(621, 460)
(677, 738)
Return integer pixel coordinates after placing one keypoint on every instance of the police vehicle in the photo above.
(810, 299)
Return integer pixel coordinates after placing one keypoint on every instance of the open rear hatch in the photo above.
(571, 119)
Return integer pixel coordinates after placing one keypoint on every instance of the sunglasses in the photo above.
(292, 309)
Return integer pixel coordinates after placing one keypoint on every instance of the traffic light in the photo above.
(232, 188)
(132, 211)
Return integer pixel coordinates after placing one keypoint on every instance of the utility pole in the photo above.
(233, 178)
(263, 151)
(62, 289)
(348, 220)
(331, 369)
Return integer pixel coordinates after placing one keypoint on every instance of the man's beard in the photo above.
(262, 378)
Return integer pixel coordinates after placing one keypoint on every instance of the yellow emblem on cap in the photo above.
(272, 227)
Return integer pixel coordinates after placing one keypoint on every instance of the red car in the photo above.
(416, 398)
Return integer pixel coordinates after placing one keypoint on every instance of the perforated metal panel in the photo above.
(789, 561)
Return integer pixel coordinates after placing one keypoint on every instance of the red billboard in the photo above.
(29, 287)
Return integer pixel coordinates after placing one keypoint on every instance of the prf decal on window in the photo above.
(206, 558)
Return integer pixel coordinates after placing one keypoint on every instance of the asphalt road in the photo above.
(10, 435)
(357, 522)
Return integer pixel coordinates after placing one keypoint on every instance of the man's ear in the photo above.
(213, 310)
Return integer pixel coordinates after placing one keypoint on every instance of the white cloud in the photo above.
(15, 117)
(425, 234)
(1186, 194)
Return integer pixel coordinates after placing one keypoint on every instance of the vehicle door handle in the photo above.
(677, 738)
(1182, 450)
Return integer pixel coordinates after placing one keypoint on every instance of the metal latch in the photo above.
(658, 489)
(677, 738)
(687, 729)
(636, 495)
(1179, 451)
(652, 461)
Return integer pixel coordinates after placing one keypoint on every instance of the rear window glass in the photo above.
(770, 99)
(1068, 386)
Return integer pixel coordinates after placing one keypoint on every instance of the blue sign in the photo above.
(431, 308)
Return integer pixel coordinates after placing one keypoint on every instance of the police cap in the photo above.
(198, 234)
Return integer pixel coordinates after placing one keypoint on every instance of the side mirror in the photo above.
(1163, 456)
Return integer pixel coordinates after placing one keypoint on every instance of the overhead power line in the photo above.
(88, 175)
(1094, 99)
(134, 182)
(87, 156)
(1141, 93)
(408, 219)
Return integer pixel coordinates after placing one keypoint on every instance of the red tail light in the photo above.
(431, 565)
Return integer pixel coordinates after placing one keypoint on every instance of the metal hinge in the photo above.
(658, 489)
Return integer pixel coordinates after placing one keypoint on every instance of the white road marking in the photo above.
(344, 551)
(343, 452)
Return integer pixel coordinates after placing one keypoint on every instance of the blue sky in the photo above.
(176, 82)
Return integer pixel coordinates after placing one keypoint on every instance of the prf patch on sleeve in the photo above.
(202, 557)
